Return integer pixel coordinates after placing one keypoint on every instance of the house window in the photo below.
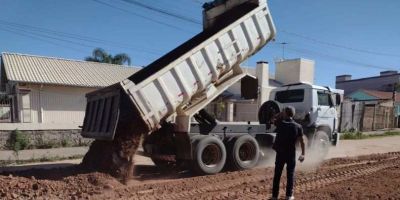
(324, 99)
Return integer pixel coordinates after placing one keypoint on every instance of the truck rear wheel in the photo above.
(209, 156)
(320, 144)
(244, 153)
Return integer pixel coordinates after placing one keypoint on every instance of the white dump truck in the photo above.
(317, 110)
(166, 99)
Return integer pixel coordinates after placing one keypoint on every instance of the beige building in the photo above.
(49, 93)
(239, 107)
(295, 71)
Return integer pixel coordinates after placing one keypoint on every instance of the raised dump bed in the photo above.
(186, 79)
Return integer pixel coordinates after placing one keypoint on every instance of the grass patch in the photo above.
(352, 136)
(360, 135)
(391, 133)
(4, 163)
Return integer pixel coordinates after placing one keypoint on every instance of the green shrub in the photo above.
(352, 136)
(65, 143)
(390, 133)
(17, 141)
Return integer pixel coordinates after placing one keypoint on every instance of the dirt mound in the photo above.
(349, 178)
(116, 157)
(74, 187)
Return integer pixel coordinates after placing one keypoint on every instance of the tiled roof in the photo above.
(57, 71)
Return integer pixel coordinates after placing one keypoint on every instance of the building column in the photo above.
(230, 111)
(262, 73)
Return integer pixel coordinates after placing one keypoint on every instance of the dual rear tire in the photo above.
(210, 154)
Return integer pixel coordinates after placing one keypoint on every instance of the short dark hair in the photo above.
(289, 111)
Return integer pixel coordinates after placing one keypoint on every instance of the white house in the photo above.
(49, 93)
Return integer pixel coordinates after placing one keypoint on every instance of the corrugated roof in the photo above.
(382, 95)
(58, 71)
(364, 94)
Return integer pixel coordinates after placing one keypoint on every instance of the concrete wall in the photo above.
(295, 71)
(46, 137)
(246, 111)
(382, 83)
(51, 106)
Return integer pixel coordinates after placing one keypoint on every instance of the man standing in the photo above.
(288, 132)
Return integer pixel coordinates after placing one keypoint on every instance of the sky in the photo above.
(356, 37)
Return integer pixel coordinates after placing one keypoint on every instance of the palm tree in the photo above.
(100, 55)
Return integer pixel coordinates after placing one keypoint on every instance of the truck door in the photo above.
(326, 111)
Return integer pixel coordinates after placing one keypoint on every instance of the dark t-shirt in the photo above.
(287, 133)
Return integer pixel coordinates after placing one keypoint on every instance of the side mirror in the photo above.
(338, 99)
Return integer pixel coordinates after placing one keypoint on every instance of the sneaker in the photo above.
(290, 198)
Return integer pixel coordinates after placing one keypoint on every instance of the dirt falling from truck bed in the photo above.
(116, 157)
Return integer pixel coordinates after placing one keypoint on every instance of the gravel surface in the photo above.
(374, 176)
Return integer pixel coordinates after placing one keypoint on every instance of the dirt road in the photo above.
(365, 177)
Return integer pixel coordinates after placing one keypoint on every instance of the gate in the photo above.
(5, 109)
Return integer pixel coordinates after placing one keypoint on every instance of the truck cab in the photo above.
(316, 107)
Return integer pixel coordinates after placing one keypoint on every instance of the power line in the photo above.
(198, 1)
(335, 58)
(45, 38)
(141, 16)
(340, 46)
(163, 11)
(40, 39)
(57, 35)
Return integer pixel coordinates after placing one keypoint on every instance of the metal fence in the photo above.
(5, 109)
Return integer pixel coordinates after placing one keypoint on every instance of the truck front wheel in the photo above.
(244, 153)
(320, 144)
(209, 156)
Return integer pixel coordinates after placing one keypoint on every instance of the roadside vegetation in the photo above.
(18, 141)
(359, 135)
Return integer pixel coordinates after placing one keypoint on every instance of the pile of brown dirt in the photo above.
(53, 186)
(116, 157)
(367, 177)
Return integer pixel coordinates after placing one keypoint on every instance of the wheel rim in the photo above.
(247, 152)
(322, 147)
(211, 155)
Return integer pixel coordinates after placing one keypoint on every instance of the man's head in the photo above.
(289, 111)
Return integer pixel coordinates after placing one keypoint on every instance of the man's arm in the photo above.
(302, 145)
(303, 150)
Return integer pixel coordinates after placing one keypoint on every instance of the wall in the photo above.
(48, 137)
(381, 83)
(52, 105)
(246, 111)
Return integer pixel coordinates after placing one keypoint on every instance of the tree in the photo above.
(100, 55)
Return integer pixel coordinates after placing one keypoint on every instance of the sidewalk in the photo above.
(43, 153)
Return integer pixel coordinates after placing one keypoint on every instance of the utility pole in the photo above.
(395, 117)
(283, 49)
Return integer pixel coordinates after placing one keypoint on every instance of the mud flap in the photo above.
(183, 146)
(335, 139)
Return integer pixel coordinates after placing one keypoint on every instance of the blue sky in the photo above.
(358, 37)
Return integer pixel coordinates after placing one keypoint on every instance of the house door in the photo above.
(326, 109)
(26, 108)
